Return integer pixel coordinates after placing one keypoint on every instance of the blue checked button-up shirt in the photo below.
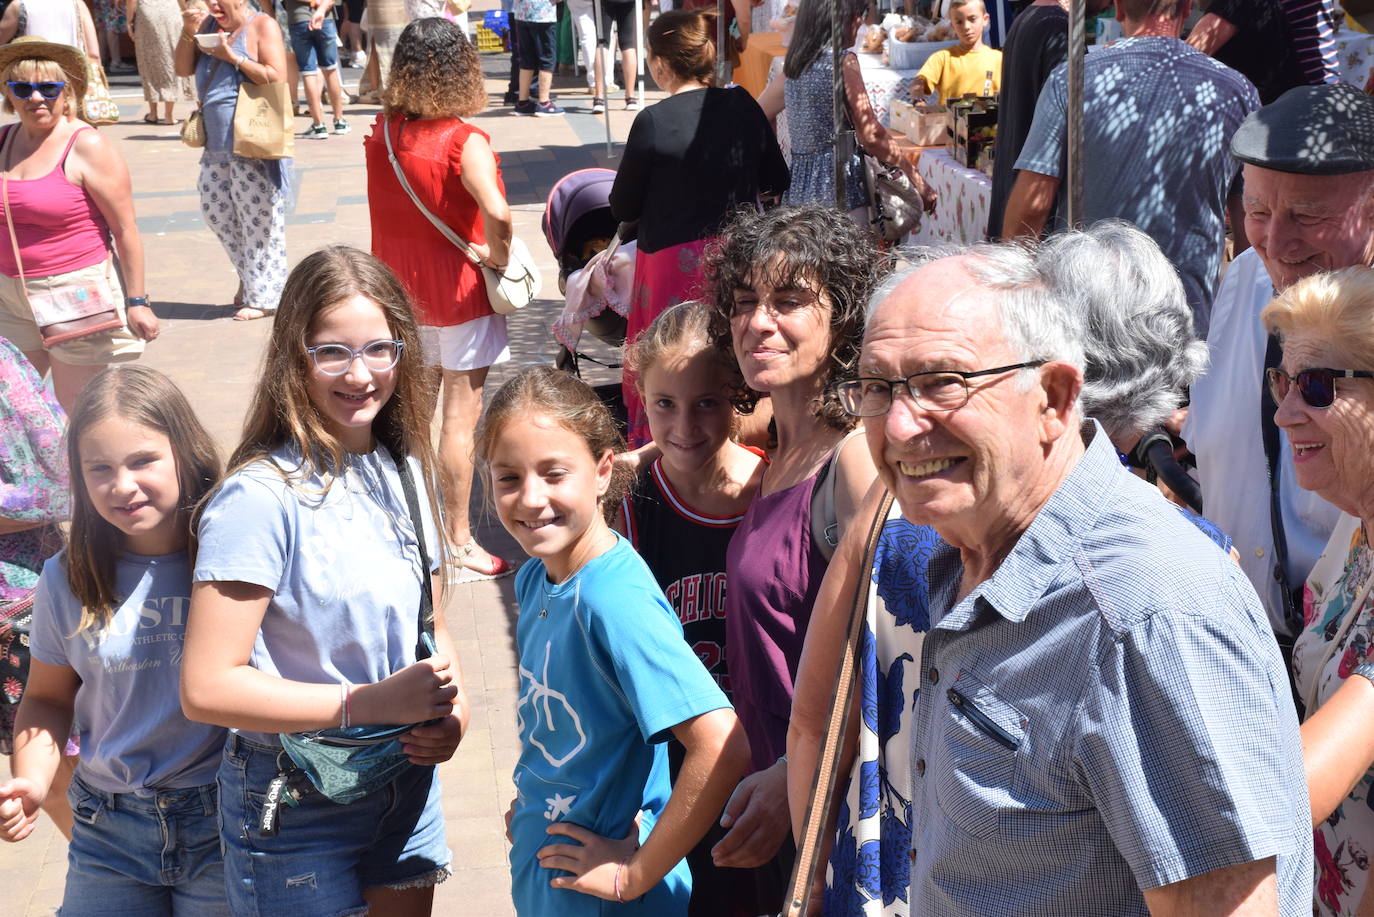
(1108, 712)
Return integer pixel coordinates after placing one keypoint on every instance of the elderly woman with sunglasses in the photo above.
(67, 198)
(1324, 390)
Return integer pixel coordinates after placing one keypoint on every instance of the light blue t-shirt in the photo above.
(1158, 116)
(128, 707)
(605, 675)
(340, 557)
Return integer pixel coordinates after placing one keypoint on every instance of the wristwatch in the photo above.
(131, 301)
(1364, 670)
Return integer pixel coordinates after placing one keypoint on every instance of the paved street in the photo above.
(216, 360)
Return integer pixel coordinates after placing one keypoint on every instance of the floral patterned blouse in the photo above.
(1338, 618)
(33, 488)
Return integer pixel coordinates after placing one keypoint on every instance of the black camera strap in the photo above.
(1292, 616)
(426, 628)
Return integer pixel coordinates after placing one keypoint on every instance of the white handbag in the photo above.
(509, 290)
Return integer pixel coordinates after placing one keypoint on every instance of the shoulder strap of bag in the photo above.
(1292, 614)
(463, 245)
(426, 628)
(827, 777)
(825, 523)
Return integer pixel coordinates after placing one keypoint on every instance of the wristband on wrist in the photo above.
(1364, 670)
(131, 301)
(618, 870)
(345, 692)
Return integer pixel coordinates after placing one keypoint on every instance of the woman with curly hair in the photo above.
(435, 81)
(789, 289)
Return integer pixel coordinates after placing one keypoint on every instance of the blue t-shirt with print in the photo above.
(1158, 117)
(340, 557)
(605, 675)
(128, 707)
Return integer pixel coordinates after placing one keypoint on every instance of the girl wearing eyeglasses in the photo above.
(67, 202)
(304, 609)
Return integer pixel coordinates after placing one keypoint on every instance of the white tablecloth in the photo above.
(1355, 53)
(961, 215)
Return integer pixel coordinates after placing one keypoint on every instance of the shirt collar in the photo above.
(1051, 541)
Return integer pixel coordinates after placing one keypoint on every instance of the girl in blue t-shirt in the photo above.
(305, 613)
(108, 621)
(605, 675)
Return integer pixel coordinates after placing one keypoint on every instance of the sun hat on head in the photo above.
(72, 61)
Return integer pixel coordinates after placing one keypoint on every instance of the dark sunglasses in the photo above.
(1316, 386)
(24, 90)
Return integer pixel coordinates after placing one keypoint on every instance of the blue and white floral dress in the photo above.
(870, 865)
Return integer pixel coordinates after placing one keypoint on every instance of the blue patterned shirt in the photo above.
(1108, 712)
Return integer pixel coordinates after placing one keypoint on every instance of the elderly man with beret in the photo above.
(1309, 206)
(1103, 723)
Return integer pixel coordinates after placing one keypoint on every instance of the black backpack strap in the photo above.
(426, 628)
(1273, 356)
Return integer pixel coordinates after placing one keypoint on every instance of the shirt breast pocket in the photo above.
(975, 769)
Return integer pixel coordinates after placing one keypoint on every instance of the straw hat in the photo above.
(72, 61)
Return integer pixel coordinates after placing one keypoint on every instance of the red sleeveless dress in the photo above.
(447, 288)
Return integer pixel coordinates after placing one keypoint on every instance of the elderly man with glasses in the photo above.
(1103, 722)
(1309, 206)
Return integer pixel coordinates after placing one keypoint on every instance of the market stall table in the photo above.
(1355, 55)
(961, 214)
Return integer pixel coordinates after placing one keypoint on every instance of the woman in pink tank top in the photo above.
(67, 201)
(789, 288)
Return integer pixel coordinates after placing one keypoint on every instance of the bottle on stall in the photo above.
(987, 84)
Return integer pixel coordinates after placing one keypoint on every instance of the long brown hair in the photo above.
(145, 397)
(281, 412)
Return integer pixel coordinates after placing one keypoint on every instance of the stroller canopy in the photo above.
(575, 195)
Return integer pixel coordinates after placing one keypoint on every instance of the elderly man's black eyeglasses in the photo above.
(1316, 386)
(938, 390)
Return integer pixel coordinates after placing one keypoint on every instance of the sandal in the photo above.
(252, 313)
(467, 573)
(151, 119)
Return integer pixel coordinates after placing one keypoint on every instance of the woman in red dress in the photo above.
(434, 82)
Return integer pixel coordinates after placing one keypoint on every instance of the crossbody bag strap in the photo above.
(462, 244)
(1269, 431)
(826, 780)
(426, 628)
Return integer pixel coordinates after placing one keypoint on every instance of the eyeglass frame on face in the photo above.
(962, 375)
(36, 86)
(355, 355)
(1273, 374)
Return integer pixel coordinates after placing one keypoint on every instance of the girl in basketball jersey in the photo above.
(680, 516)
(605, 676)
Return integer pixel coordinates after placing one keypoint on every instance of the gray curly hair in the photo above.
(1142, 350)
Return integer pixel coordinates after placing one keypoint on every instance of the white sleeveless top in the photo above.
(55, 20)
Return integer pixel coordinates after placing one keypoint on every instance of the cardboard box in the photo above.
(926, 125)
(975, 127)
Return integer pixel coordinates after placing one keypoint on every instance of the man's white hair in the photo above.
(1037, 323)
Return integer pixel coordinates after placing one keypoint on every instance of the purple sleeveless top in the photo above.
(774, 570)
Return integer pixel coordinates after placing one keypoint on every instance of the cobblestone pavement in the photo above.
(216, 361)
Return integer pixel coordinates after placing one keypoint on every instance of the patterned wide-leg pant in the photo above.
(247, 211)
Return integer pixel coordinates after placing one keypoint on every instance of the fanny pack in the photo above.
(345, 764)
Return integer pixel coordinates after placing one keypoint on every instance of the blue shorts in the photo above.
(316, 49)
(324, 854)
(536, 44)
(144, 855)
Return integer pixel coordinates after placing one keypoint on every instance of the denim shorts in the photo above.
(144, 855)
(316, 49)
(323, 854)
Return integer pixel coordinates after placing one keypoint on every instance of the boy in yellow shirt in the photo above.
(971, 67)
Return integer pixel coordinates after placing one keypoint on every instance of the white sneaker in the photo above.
(360, 59)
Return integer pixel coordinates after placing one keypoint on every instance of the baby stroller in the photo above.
(578, 225)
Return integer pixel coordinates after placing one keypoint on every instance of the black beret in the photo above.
(1310, 130)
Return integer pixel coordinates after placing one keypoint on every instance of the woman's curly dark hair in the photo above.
(434, 73)
(805, 245)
